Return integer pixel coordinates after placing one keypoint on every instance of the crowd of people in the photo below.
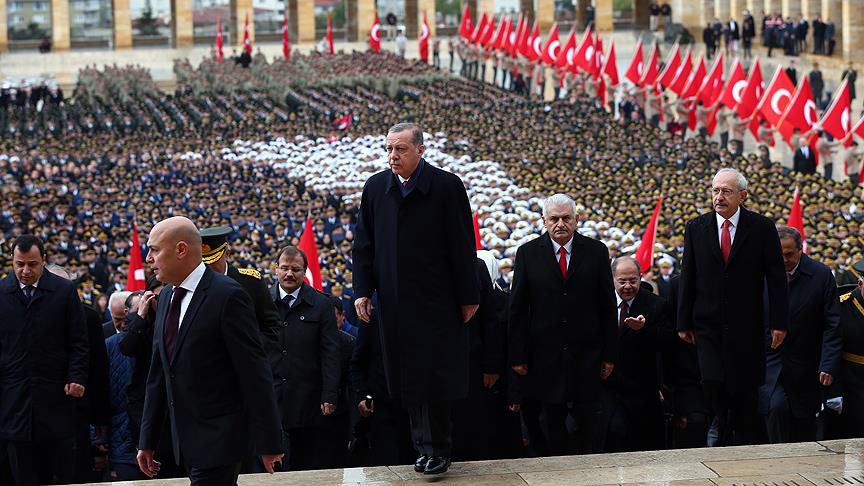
(793, 35)
(261, 150)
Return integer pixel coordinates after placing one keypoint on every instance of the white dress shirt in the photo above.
(734, 220)
(557, 248)
(190, 284)
(295, 294)
(619, 299)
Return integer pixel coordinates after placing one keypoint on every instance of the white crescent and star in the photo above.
(775, 100)
(589, 53)
(810, 112)
(553, 49)
(376, 36)
(844, 120)
(738, 90)
(538, 49)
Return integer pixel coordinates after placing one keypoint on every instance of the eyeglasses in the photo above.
(716, 191)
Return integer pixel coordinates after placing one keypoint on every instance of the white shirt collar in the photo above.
(734, 219)
(567, 246)
(35, 284)
(619, 300)
(194, 278)
(295, 294)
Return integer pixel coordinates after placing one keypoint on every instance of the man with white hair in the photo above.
(732, 257)
(117, 306)
(563, 336)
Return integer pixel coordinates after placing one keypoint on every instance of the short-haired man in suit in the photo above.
(44, 355)
(305, 359)
(731, 255)
(632, 417)
(119, 311)
(804, 159)
(563, 336)
(809, 358)
(208, 375)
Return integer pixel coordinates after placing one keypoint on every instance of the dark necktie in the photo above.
(405, 183)
(287, 300)
(625, 312)
(726, 241)
(28, 293)
(172, 322)
(562, 261)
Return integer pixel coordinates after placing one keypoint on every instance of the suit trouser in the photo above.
(736, 413)
(306, 448)
(782, 426)
(431, 428)
(389, 434)
(214, 476)
(550, 435)
(26, 469)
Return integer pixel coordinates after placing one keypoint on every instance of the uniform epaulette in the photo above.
(845, 297)
(251, 272)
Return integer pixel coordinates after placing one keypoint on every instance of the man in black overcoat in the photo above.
(44, 359)
(730, 256)
(563, 338)
(208, 373)
(415, 246)
(808, 360)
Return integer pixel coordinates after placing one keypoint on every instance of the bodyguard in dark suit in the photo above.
(809, 358)
(43, 368)
(563, 337)
(632, 417)
(415, 247)
(852, 375)
(305, 363)
(214, 252)
(730, 256)
(804, 159)
(208, 373)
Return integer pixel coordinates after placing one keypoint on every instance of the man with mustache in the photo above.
(732, 257)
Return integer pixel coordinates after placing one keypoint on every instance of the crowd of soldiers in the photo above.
(224, 148)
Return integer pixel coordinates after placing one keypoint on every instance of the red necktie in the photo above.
(726, 241)
(562, 261)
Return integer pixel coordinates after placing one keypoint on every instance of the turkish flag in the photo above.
(342, 123)
(466, 27)
(584, 55)
(498, 43)
(634, 72)
(734, 86)
(645, 253)
(599, 57)
(752, 92)
(566, 53)
(247, 41)
(286, 41)
(837, 119)
(533, 46)
(796, 215)
(308, 246)
(423, 41)
(220, 53)
(515, 37)
(776, 97)
(712, 85)
(478, 242)
(375, 35)
(691, 89)
(488, 34)
(330, 34)
(610, 67)
(649, 76)
(679, 82)
(135, 279)
(550, 51)
(479, 29)
(858, 129)
(670, 67)
(801, 112)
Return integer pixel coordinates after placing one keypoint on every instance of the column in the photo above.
(412, 22)
(809, 9)
(122, 24)
(604, 17)
(60, 25)
(181, 23)
(832, 10)
(641, 14)
(545, 15)
(735, 8)
(527, 9)
(239, 11)
(853, 30)
(581, 9)
(772, 6)
(359, 15)
(487, 6)
(301, 20)
(4, 28)
(721, 10)
(428, 6)
(706, 12)
(689, 14)
(791, 8)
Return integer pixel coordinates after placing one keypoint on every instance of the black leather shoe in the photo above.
(420, 464)
(437, 465)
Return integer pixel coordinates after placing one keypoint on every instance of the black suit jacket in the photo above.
(43, 346)
(723, 304)
(217, 392)
(563, 328)
(802, 163)
(265, 310)
(108, 329)
(305, 358)
(636, 371)
(814, 343)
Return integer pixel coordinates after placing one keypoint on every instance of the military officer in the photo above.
(215, 251)
(852, 375)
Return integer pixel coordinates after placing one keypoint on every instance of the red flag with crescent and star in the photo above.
(375, 35)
